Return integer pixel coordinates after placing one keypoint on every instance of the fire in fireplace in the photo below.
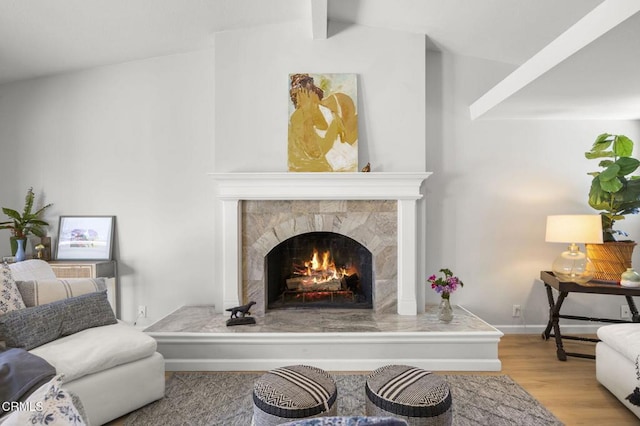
(319, 269)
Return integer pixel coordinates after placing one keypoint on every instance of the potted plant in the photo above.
(22, 225)
(615, 192)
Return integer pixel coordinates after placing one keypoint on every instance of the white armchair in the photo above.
(113, 369)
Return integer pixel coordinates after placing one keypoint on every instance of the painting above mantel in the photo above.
(323, 123)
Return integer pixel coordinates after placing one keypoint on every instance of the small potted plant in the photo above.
(615, 192)
(22, 225)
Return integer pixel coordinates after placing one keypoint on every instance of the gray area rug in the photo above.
(225, 399)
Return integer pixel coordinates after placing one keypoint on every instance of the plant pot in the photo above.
(14, 244)
(609, 260)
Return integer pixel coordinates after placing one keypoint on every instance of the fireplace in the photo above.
(258, 211)
(319, 269)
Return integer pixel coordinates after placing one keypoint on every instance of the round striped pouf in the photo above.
(293, 392)
(416, 395)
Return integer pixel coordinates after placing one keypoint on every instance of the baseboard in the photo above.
(539, 329)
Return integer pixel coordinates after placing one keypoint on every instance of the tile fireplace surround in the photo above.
(260, 210)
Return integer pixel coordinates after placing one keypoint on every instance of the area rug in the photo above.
(225, 399)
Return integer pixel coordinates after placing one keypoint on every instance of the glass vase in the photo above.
(445, 313)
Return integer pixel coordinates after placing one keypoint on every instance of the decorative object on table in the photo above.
(367, 168)
(445, 286)
(574, 265)
(20, 254)
(85, 238)
(22, 225)
(244, 313)
(46, 243)
(39, 251)
(616, 193)
(323, 123)
(630, 278)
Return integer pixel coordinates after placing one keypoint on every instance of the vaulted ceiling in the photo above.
(43, 37)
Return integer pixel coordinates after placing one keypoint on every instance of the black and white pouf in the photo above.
(293, 392)
(416, 395)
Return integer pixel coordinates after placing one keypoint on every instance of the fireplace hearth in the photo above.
(257, 212)
(319, 269)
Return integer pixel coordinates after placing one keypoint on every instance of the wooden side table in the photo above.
(91, 269)
(592, 287)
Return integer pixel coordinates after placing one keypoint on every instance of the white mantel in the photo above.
(405, 188)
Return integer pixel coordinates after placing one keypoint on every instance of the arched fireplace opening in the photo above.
(319, 269)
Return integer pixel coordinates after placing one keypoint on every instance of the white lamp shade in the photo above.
(586, 228)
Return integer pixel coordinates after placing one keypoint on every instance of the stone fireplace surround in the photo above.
(260, 210)
(372, 223)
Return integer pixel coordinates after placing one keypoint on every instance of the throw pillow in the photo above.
(49, 405)
(10, 298)
(41, 292)
(20, 373)
(29, 328)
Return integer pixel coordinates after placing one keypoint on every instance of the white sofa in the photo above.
(113, 369)
(616, 356)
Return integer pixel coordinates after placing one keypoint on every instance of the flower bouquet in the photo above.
(445, 286)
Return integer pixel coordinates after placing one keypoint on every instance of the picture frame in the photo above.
(85, 238)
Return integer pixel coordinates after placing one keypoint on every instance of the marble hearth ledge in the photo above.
(196, 338)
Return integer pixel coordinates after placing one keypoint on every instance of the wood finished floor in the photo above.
(568, 389)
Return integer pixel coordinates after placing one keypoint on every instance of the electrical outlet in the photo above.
(624, 312)
(142, 311)
(517, 311)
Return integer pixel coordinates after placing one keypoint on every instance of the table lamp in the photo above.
(574, 265)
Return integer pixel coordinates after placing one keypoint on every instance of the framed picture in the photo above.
(85, 238)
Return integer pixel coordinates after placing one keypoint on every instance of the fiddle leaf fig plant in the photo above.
(613, 190)
(29, 222)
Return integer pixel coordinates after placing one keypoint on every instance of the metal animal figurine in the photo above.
(242, 310)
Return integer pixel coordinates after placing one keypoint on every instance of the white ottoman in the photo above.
(616, 356)
(294, 392)
(417, 396)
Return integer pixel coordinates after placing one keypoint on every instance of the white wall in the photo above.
(136, 140)
(252, 92)
(133, 140)
(494, 183)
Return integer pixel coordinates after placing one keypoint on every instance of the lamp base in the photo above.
(573, 265)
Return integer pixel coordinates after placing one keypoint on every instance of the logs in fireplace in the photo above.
(319, 269)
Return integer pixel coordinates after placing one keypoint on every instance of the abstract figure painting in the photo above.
(323, 123)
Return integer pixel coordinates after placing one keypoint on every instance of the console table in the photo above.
(591, 287)
(90, 269)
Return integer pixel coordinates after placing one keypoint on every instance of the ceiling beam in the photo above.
(319, 19)
(600, 20)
